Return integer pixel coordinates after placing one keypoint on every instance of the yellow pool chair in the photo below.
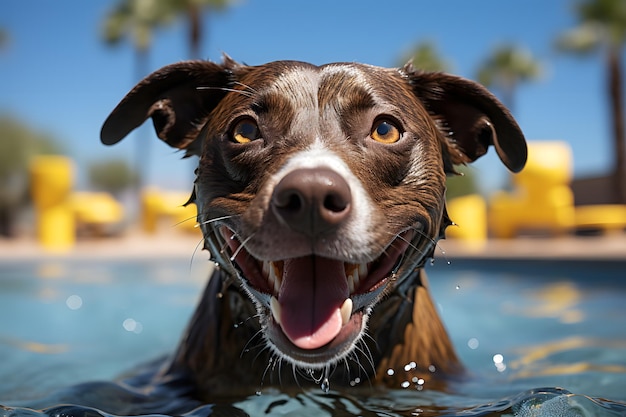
(541, 199)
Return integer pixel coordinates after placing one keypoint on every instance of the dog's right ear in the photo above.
(178, 98)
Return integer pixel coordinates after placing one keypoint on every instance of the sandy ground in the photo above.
(177, 244)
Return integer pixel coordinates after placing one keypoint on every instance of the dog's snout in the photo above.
(312, 201)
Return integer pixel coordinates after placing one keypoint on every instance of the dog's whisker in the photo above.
(230, 90)
(185, 220)
(266, 370)
(262, 345)
(195, 250)
(247, 347)
(360, 368)
(241, 247)
(417, 249)
(246, 86)
(435, 243)
(216, 219)
(365, 352)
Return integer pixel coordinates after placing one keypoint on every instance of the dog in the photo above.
(321, 194)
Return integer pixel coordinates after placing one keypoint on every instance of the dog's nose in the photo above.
(312, 200)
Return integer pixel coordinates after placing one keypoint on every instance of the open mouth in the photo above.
(316, 307)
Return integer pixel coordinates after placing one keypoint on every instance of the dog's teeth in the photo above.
(357, 278)
(271, 277)
(276, 285)
(266, 269)
(276, 277)
(275, 307)
(350, 284)
(346, 311)
(362, 270)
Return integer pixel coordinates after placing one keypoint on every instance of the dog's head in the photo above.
(319, 189)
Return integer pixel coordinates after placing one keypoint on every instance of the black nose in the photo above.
(312, 201)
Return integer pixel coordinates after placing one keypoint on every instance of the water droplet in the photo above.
(458, 287)
(390, 372)
(405, 384)
(473, 343)
(258, 393)
(74, 302)
(325, 386)
(432, 261)
(133, 326)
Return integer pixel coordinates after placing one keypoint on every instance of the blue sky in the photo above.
(57, 75)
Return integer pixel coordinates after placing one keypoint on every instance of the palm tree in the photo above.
(602, 28)
(193, 9)
(506, 68)
(426, 57)
(136, 20)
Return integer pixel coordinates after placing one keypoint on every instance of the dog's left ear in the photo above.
(178, 98)
(471, 118)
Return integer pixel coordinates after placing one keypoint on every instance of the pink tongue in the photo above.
(310, 298)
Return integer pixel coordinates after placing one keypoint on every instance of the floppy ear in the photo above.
(471, 117)
(178, 98)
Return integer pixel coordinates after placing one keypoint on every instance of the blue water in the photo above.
(539, 338)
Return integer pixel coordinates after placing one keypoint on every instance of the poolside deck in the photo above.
(185, 246)
(611, 247)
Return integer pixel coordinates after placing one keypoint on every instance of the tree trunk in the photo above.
(617, 115)
(195, 30)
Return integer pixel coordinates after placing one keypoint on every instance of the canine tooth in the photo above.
(362, 270)
(275, 307)
(266, 269)
(346, 311)
(276, 277)
(356, 278)
(350, 284)
(271, 277)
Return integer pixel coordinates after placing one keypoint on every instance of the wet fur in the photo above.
(447, 121)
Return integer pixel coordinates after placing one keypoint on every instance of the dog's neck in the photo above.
(224, 331)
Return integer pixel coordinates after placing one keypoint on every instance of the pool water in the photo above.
(539, 338)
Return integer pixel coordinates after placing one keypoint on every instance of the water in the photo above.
(539, 338)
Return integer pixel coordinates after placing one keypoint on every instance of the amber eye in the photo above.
(245, 131)
(385, 131)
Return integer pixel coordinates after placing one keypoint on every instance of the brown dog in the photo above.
(320, 193)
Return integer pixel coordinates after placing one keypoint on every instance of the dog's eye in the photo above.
(385, 131)
(245, 131)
